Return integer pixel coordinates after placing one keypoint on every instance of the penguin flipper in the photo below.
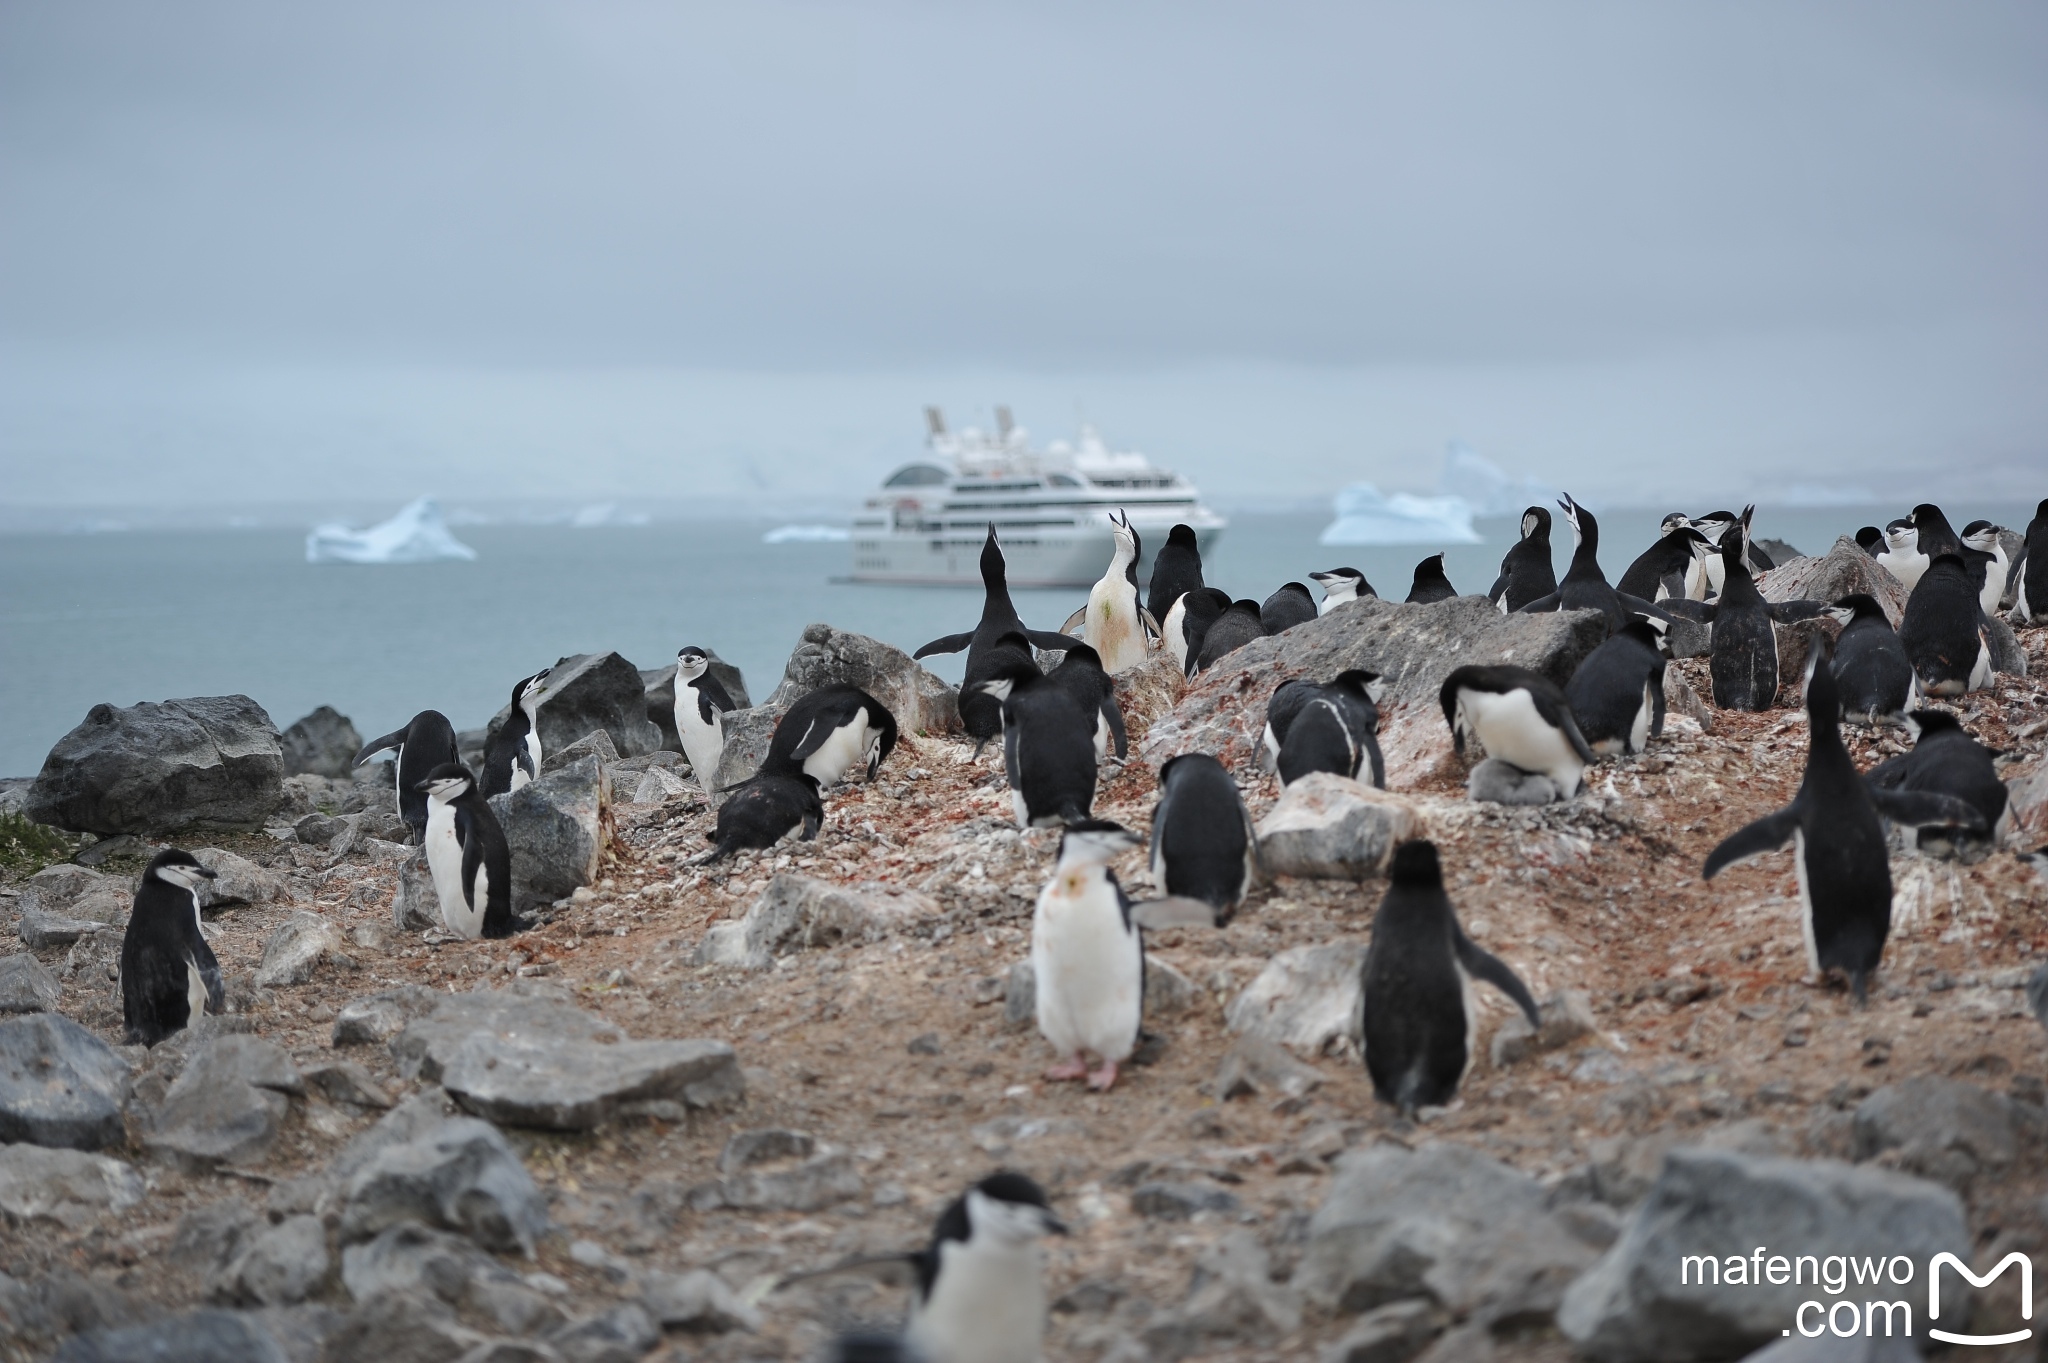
(711, 698)
(1636, 604)
(1053, 642)
(813, 739)
(1559, 717)
(472, 858)
(1918, 808)
(948, 643)
(1544, 604)
(1151, 625)
(389, 742)
(1075, 620)
(1115, 716)
(1482, 964)
(1498, 589)
(1767, 834)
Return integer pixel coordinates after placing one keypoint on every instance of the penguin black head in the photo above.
(1652, 631)
(1008, 1189)
(176, 866)
(526, 686)
(1585, 530)
(1367, 684)
(1415, 865)
(1677, 520)
(1982, 534)
(1330, 577)
(1870, 539)
(1094, 842)
(449, 781)
(1927, 721)
(1536, 524)
(691, 662)
(992, 565)
(1858, 606)
(1182, 537)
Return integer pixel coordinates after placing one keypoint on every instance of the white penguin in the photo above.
(1113, 623)
(1088, 956)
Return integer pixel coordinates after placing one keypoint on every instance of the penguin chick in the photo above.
(1872, 674)
(1232, 630)
(1203, 844)
(1942, 630)
(1744, 661)
(702, 703)
(981, 1283)
(1088, 956)
(1617, 693)
(425, 743)
(833, 730)
(1431, 583)
(1526, 572)
(1340, 585)
(1945, 759)
(1520, 717)
(169, 976)
(468, 856)
(1417, 1028)
(1176, 571)
(1495, 782)
(1291, 605)
(513, 756)
(1838, 845)
(1355, 693)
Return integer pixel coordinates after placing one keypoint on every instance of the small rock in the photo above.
(25, 987)
(1180, 1201)
(1235, 1296)
(279, 1265)
(767, 1145)
(925, 1043)
(1256, 1065)
(402, 1327)
(68, 1187)
(797, 913)
(344, 1081)
(1020, 996)
(323, 743)
(698, 1301)
(1328, 825)
(824, 1180)
(291, 953)
(238, 880)
(410, 1260)
(200, 1337)
(461, 1175)
(1306, 998)
(620, 1335)
(1168, 993)
(318, 830)
(1566, 1016)
(44, 931)
(1393, 1333)
(1943, 1129)
(657, 785)
(596, 744)
(377, 1018)
(59, 1084)
(225, 1105)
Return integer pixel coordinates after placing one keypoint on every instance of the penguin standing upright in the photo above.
(1902, 557)
(1340, 585)
(1176, 571)
(1292, 605)
(1521, 718)
(1838, 846)
(169, 976)
(1660, 571)
(468, 856)
(1617, 693)
(1932, 533)
(1872, 673)
(1232, 630)
(1203, 845)
(1340, 741)
(1088, 957)
(1584, 586)
(513, 756)
(1744, 663)
(1947, 760)
(702, 703)
(1943, 630)
(833, 730)
(1187, 623)
(2027, 579)
(1984, 537)
(1526, 573)
(1113, 623)
(1080, 672)
(981, 1283)
(980, 713)
(425, 743)
(1417, 1028)
(1049, 746)
(1431, 583)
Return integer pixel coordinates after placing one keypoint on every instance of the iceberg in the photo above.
(807, 534)
(605, 516)
(1486, 487)
(1365, 515)
(417, 534)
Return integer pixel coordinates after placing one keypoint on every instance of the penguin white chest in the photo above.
(703, 740)
(1114, 630)
(526, 770)
(987, 1306)
(444, 860)
(843, 749)
(1510, 728)
(1089, 968)
(1174, 628)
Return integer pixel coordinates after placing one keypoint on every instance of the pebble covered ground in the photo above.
(902, 1050)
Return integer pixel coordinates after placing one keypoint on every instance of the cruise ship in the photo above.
(1050, 508)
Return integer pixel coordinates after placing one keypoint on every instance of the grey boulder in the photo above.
(59, 1084)
(295, 948)
(747, 733)
(459, 1174)
(26, 987)
(798, 912)
(1845, 569)
(557, 828)
(226, 1103)
(415, 905)
(588, 691)
(1306, 998)
(1943, 1129)
(919, 700)
(163, 767)
(412, 1259)
(42, 931)
(69, 1187)
(200, 1337)
(323, 743)
(1719, 1205)
(278, 1265)
(1331, 826)
(376, 1018)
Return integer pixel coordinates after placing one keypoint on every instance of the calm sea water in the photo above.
(147, 616)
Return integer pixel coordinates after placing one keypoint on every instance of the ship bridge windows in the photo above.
(1062, 480)
(918, 475)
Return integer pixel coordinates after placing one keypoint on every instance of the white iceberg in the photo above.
(807, 534)
(1486, 487)
(1365, 515)
(605, 515)
(417, 534)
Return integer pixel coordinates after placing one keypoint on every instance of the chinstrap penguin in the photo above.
(1947, 760)
(1744, 661)
(1902, 557)
(1293, 604)
(1585, 586)
(425, 743)
(1943, 630)
(702, 704)
(1081, 674)
(1983, 536)
(1431, 583)
(1838, 845)
(1113, 623)
(2027, 579)
(1526, 572)
(1418, 1027)
(169, 976)
(1340, 585)
(1355, 694)
(1049, 746)
(980, 713)
(468, 856)
(1617, 693)
(1661, 570)
(1872, 675)
(1521, 718)
(513, 756)
(1232, 630)
(833, 730)
(1176, 571)
(1932, 533)
(1203, 845)
(980, 1284)
(1187, 624)
(774, 802)
(1088, 957)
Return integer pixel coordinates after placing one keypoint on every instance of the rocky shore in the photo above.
(615, 1136)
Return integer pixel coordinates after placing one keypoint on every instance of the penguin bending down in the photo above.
(980, 713)
(169, 976)
(1176, 571)
(1983, 537)
(1838, 845)
(1113, 623)
(1662, 570)
(766, 808)
(1188, 621)
(1431, 583)
(1081, 674)
(1870, 540)
(1203, 845)
(1526, 573)
(1290, 606)
(1353, 696)
(468, 856)
(1902, 557)
(1617, 693)
(1519, 717)
(1943, 630)
(1872, 675)
(2027, 579)
(702, 704)
(1340, 585)
(1418, 1029)
(981, 1283)
(1945, 759)
(1088, 957)
(513, 756)
(422, 745)
(1744, 663)
(1049, 738)
(832, 731)
(1232, 630)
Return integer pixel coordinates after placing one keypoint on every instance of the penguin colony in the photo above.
(979, 1293)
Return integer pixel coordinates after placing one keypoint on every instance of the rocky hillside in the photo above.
(618, 1134)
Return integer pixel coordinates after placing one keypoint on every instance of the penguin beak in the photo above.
(1053, 1225)
(206, 872)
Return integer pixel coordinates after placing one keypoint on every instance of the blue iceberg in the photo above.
(417, 534)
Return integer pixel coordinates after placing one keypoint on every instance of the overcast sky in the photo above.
(259, 252)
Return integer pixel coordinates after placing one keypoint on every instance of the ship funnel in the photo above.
(936, 420)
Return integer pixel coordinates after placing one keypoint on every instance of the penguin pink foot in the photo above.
(1077, 1068)
(1104, 1079)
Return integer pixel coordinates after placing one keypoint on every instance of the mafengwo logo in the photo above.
(1846, 1317)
